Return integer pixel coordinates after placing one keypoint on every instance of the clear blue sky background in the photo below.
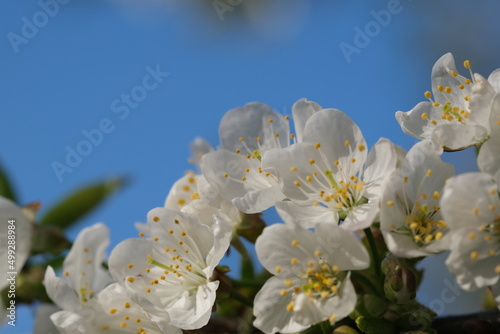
(64, 79)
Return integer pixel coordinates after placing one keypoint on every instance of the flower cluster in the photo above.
(355, 222)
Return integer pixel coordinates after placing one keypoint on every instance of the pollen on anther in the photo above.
(148, 290)
(130, 265)
(130, 279)
(467, 64)
(429, 172)
(297, 183)
(427, 95)
(278, 269)
(424, 115)
(390, 203)
(141, 234)
(126, 304)
(294, 260)
(293, 169)
(295, 243)
(225, 175)
(112, 311)
(317, 145)
(241, 139)
(346, 143)
(474, 255)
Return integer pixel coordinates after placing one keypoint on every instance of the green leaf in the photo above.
(6, 189)
(79, 203)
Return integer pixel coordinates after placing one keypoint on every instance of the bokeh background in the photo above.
(68, 72)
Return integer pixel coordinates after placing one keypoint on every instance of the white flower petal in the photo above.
(250, 122)
(302, 110)
(60, 292)
(333, 129)
(270, 308)
(86, 256)
(305, 216)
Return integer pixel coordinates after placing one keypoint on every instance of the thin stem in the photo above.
(365, 282)
(373, 248)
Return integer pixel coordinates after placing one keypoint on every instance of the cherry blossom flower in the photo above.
(471, 208)
(246, 133)
(410, 217)
(449, 118)
(170, 272)
(311, 282)
(88, 302)
(330, 176)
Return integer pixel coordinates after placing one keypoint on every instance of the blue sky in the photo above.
(73, 74)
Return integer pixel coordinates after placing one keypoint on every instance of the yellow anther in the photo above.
(428, 238)
(311, 161)
(112, 311)
(147, 270)
(317, 145)
(181, 201)
(155, 238)
(317, 253)
(171, 231)
(390, 203)
(141, 234)
(491, 252)
(241, 139)
(436, 195)
(353, 160)
(440, 88)
(292, 136)
(288, 282)
(335, 268)
(429, 172)
(436, 104)
(497, 269)
(474, 255)
(297, 183)
(276, 135)
(472, 236)
(448, 90)
(293, 169)
(123, 324)
(258, 139)
(290, 306)
(467, 64)
(130, 265)
(294, 243)
(424, 115)
(287, 118)
(468, 81)
(283, 292)
(336, 162)
(278, 269)
(453, 73)
(309, 178)
(130, 279)
(487, 238)
(324, 294)
(225, 175)
(414, 225)
(417, 238)
(237, 150)
(439, 235)
(475, 211)
(270, 120)
(294, 260)
(126, 304)
(346, 143)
